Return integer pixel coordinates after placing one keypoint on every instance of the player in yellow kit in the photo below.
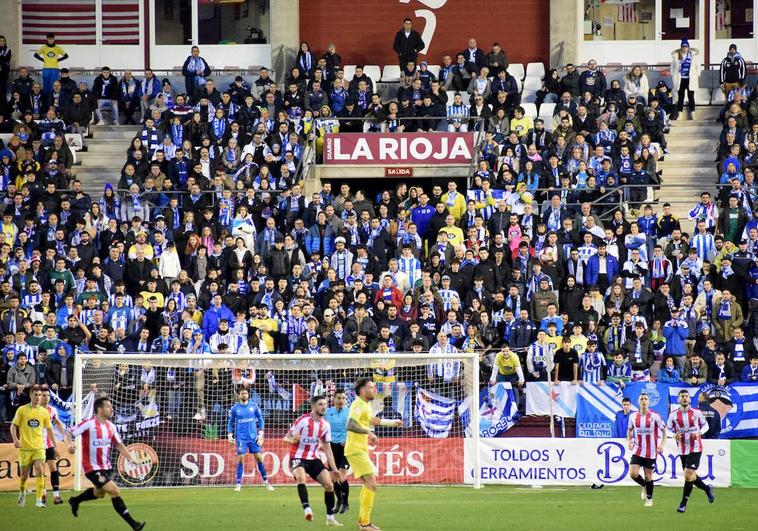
(359, 434)
(28, 432)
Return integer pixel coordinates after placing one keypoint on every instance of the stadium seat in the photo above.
(5, 138)
(520, 84)
(703, 96)
(390, 74)
(535, 70)
(373, 72)
(349, 72)
(717, 98)
(451, 95)
(546, 109)
(528, 96)
(434, 69)
(530, 109)
(516, 70)
(532, 83)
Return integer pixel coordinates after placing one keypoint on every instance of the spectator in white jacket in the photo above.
(169, 266)
(636, 84)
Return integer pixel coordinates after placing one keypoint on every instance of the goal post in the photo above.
(171, 410)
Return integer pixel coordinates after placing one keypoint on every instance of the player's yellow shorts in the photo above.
(28, 457)
(361, 465)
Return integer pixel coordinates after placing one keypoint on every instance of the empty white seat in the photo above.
(74, 140)
(519, 83)
(535, 70)
(516, 70)
(718, 97)
(703, 95)
(530, 109)
(391, 74)
(5, 137)
(373, 72)
(528, 96)
(434, 69)
(451, 95)
(349, 72)
(546, 109)
(532, 83)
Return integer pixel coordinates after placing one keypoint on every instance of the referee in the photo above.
(337, 417)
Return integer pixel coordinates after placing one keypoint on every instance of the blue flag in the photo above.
(737, 404)
(434, 413)
(498, 410)
(656, 392)
(597, 406)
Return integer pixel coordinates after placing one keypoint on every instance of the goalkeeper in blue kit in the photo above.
(245, 431)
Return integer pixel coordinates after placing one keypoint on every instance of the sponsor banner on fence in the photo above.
(9, 469)
(398, 148)
(537, 461)
(598, 407)
(188, 461)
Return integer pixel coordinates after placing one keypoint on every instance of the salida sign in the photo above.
(398, 148)
(397, 461)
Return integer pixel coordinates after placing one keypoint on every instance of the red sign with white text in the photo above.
(397, 461)
(398, 148)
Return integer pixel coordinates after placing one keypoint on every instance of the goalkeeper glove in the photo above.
(259, 439)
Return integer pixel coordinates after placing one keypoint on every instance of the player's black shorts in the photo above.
(340, 460)
(100, 477)
(49, 454)
(644, 462)
(691, 461)
(312, 467)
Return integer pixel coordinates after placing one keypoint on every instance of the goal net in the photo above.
(172, 412)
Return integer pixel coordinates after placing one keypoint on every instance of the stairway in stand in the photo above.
(105, 156)
(689, 168)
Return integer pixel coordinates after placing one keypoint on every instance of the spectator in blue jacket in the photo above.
(215, 314)
(675, 331)
(320, 237)
(592, 275)
(622, 418)
(669, 374)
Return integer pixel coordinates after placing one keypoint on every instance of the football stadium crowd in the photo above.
(205, 242)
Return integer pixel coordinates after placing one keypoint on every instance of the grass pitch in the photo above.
(398, 508)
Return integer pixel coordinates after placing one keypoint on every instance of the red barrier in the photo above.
(398, 461)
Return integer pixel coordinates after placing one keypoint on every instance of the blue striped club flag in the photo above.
(434, 413)
(498, 411)
(596, 407)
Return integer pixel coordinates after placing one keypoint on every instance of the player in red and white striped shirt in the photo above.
(646, 435)
(98, 436)
(310, 435)
(51, 455)
(687, 423)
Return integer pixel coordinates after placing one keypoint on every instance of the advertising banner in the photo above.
(183, 461)
(9, 469)
(398, 148)
(537, 461)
